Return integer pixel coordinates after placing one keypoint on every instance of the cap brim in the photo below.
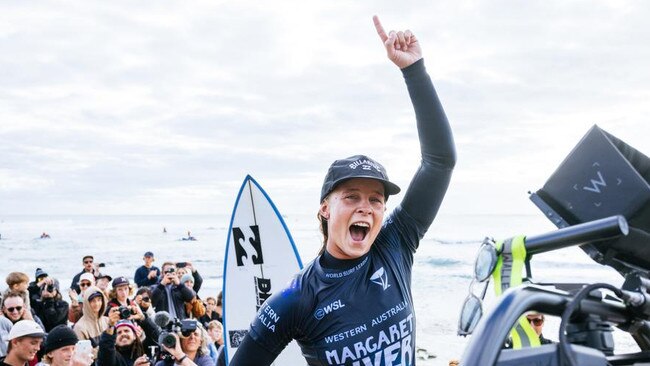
(33, 335)
(390, 188)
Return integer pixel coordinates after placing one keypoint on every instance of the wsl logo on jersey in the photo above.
(380, 277)
(336, 305)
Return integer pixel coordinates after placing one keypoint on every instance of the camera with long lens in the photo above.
(125, 312)
(184, 327)
(49, 288)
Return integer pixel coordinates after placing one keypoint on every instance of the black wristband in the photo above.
(181, 359)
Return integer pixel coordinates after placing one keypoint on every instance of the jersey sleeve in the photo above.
(429, 184)
(277, 321)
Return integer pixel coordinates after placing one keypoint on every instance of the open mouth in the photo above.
(359, 230)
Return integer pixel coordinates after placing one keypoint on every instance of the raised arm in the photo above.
(429, 185)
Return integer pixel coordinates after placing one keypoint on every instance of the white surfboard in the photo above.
(261, 258)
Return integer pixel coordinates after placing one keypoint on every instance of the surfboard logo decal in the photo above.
(263, 288)
(240, 238)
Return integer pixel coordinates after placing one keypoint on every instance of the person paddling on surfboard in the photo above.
(353, 304)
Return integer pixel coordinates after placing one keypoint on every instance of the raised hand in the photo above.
(401, 47)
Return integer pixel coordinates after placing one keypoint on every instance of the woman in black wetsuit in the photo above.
(353, 305)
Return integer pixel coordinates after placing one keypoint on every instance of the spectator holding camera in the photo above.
(120, 344)
(50, 307)
(147, 274)
(34, 289)
(92, 322)
(120, 294)
(170, 295)
(189, 349)
(143, 300)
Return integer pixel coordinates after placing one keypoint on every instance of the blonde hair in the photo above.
(15, 278)
(215, 324)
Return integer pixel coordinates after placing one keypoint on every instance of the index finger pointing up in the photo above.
(379, 28)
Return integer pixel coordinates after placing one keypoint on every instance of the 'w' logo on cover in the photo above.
(596, 183)
(380, 277)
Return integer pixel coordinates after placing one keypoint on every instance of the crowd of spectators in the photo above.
(158, 319)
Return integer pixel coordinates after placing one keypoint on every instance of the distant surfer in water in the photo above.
(353, 305)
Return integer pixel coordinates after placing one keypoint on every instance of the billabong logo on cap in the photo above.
(365, 165)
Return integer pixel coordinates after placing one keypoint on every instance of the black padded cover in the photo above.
(603, 176)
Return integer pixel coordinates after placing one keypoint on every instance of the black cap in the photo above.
(357, 166)
(103, 275)
(60, 336)
(94, 295)
(120, 281)
(148, 254)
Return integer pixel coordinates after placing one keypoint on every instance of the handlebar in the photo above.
(601, 229)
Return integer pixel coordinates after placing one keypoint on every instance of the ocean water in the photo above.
(441, 273)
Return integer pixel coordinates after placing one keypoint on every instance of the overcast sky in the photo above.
(160, 107)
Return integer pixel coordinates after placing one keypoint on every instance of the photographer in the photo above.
(119, 295)
(170, 295)
(143, 299)
(120, 345)
(190, 349)
(50, 307)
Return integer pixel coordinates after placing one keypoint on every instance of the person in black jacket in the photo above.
(51, 308)
(119, 345)
(170, 295)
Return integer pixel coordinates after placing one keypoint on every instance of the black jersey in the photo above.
(361, 315)
(362, 312)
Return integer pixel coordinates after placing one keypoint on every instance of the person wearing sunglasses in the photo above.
(191, 349)
(76, 299)
(89, 267)
(353, 303)
(13, 307)
(536, 320)
(170, 294)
